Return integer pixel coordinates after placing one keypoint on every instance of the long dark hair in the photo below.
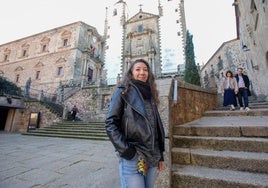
(151, 79)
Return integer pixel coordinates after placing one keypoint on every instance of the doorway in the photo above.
(3, 118)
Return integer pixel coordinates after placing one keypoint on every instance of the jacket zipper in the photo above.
(149, 124)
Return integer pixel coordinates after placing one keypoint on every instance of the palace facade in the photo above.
(69, 55)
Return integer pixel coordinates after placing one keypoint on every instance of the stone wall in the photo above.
(47, 117)
(92, 103)
(253, 22)
(192, 102)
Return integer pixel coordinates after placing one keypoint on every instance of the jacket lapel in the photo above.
(133, 97)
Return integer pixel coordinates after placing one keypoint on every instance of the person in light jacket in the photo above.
(229, 90)
(134, 127)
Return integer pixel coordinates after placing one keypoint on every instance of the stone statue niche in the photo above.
(27, 87)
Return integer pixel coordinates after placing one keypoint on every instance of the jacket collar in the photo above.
(134, 98)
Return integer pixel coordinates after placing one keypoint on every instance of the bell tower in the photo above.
(141, 39)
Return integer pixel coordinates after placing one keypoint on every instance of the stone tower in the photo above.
(141, 39)
(182, 22)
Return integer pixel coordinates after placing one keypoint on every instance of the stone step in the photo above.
(69, 129)
(78, 126)
(246, 144)
(223, 131)
(228, 126)
(200, 177)
(75, 129)
(69, 132)
(67, 136)
(253, 112)
(252, 106)
(231, 160)
(75, 123)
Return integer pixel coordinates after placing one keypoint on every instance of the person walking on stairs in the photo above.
(74, 112)
(243, 92)
(229, 90)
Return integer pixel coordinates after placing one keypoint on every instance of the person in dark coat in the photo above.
(74, 112)
(134, 127)
(243, 89)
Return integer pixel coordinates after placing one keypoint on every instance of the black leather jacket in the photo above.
(127, 125)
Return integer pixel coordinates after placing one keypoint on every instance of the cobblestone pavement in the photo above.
(35, 162)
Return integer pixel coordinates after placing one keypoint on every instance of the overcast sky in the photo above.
(211, 22)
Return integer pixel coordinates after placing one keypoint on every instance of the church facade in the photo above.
(141, 40)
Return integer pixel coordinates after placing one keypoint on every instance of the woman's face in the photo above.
(140, 72)
(229, 74)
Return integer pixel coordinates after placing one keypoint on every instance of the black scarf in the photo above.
(144, 88)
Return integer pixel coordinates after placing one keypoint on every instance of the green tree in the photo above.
(7, 87)
(191, 74)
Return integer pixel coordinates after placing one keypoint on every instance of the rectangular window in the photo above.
(24, 53)
(65, 42)
(17, 78)
(89, 74)
(139, 42)
(59, 73)
(140, 28)
(44, 48)
(37, 76)
(6, 58)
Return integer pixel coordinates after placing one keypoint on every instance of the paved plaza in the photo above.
(35, 162)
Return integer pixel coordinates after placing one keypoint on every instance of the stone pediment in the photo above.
(66, 34)
(45, 40)
(39, 64)
(61, 60)
(7, 51)
(19, 68)
(25, 46)
(141, 16)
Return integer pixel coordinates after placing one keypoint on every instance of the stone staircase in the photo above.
(69, 129)
(222, 149)
(54, 108)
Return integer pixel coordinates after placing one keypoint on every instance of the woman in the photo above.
(229, 90)
(134, 127)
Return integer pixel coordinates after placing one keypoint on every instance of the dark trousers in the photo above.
(74, 114)
(243, 93)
